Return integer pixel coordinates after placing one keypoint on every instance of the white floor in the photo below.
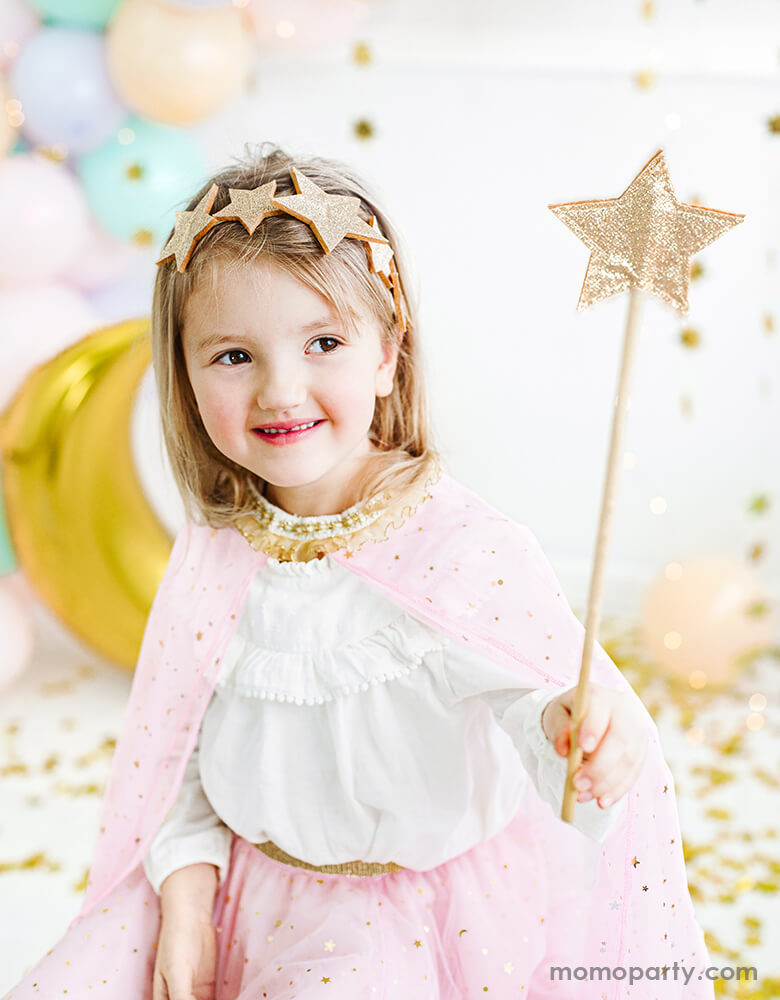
(59, 722)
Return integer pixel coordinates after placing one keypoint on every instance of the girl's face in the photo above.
(265, 349)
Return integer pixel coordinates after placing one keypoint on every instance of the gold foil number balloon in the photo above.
(81, 526)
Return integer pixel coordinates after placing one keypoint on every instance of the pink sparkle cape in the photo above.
(455, 551)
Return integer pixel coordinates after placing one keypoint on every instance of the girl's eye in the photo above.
(232, 355)
(331, 339)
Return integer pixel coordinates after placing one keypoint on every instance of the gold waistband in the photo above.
(346, 868)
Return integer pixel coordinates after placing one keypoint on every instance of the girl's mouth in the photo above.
(287, 437)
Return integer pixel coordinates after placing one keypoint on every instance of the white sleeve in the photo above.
(522, 719)
(190, 833)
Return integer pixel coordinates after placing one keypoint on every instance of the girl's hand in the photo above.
(186, 963)
(618, 732)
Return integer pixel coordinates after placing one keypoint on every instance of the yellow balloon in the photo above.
(81, 526)
(702, 616)
(174, 65)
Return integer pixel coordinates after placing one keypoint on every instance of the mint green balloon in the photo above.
(8, 561)
(135, 182)
(78, 13)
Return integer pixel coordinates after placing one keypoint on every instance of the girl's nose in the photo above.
(280, 388)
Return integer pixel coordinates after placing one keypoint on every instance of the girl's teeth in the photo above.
(300, 427)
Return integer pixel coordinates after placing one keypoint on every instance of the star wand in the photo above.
(643, 241)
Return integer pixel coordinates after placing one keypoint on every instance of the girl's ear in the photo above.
(386, 371)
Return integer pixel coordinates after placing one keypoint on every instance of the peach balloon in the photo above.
(176, 65)
(702, 615)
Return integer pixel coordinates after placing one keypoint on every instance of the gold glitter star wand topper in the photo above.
(643, 241)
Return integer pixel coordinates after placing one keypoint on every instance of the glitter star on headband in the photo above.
(331, 218)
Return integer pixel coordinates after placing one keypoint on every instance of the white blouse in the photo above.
(342, 728)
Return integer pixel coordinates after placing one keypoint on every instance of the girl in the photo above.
(342, 762)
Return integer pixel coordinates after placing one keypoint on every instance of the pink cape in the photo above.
(455, 551)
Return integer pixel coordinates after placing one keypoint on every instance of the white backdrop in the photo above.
(485, 114)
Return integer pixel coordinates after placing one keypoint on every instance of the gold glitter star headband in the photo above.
(331, 217)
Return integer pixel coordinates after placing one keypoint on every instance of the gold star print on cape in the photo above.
(331, 216)
(643, 239)
(189, 228)
(250, 207)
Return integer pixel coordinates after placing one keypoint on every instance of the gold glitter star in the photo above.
(330, 945)
(189, 228)
(379, 255)
(774, 124)
(418, 944)
(643, 239)
(634, 861)
(325, 979)
(363, 129)
(331, 216)
(250, 207)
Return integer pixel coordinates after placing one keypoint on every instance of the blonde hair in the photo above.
(216, 490)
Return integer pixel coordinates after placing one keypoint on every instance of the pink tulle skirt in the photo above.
(472, 926)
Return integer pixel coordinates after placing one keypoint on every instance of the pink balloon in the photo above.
(38, 322)
(17, 22)
(17, 630)
(102, 259)
(302, 24)
(46, 219)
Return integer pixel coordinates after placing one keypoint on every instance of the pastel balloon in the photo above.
(301, 24)
(38, 321)
(8, 133)
(45, 218)
(130, 295)
(703, 615)
(17, 630)
(62, 80)
(135, 182)
(7, 556)
(17, 22)
(102, 260)
(82, 527)
(174, 65)
(83, 13)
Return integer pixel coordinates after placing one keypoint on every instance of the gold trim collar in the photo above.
(296, 538)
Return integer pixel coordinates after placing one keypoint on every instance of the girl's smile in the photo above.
(266, 353)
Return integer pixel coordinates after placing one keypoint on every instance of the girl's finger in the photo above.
(596, 719)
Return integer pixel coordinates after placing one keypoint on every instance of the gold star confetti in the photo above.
(686, 405)
(697, 270)
(648, 9)
(189, 228)
(759, 504)
(143, 237)
(250, 207)
(331, 216)
(768, 322)
(757, 551)
(330, 945)
(774, 124)
(643, 239)
(634, 861)
(363, 129)
(361, 54)
(644, 79)
(690, 337)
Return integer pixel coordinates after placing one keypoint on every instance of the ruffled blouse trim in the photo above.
(290, 537)
(313, 678)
